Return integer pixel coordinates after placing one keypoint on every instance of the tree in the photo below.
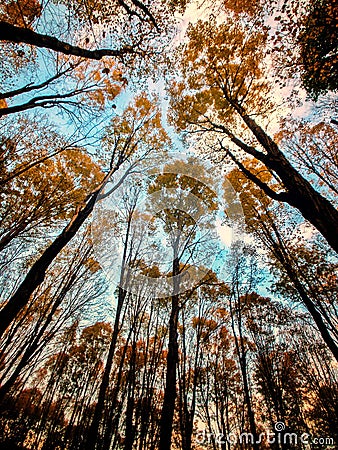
(199, 330)
(318, 48)
(181, 220)
(93, 440)
(75, 86)
(277, 373)
(18, 24)
(202, 342)
(60, 299)
(70, 379)
(303, 44)
(244, 276)
(45, 192)
(127, 141)
(311, 146)
(222, 88)
(294, 258)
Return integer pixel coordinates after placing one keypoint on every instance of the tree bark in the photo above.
(37, 272)
(168, 407)
(12, 33)
(299, 193)
(92, 441)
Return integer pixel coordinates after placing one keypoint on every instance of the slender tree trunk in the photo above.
(282, 255)
(113, 415)
(93, 432)
(241, 352)
(247, 397)
(130, 428)
(168, 407)
(187, 413)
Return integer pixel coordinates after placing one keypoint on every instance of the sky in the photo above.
(193, 13)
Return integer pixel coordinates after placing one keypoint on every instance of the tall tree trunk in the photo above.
(92, 441)
(168, 407)
(37, 273)
(282, 255)
(130, 428)
(187, 412)
(241, 353)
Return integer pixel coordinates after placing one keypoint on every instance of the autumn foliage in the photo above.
(168, 224)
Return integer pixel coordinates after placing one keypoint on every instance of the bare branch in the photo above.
(33, 87)
(44, 101)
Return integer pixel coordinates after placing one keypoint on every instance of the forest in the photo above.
(168, 224)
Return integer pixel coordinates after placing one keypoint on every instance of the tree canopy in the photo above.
(168, 224)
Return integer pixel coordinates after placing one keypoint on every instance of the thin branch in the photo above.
(242, 145)
(35, 163)
(118, 184)
(29, 87)
(42, 101)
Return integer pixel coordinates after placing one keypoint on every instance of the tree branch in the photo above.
(242, 145)
(16, 34)
(279, 196)
(42, 101)
(33, 87)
